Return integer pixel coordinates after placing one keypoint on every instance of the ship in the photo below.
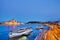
(20, 32)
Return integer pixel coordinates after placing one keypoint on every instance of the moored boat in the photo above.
(20, 32)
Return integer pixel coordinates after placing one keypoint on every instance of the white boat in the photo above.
(20, 32)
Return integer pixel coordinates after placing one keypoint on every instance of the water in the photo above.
(4, 31)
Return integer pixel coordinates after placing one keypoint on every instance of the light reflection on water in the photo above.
(6, 29)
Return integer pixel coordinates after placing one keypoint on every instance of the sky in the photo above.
(30, 10)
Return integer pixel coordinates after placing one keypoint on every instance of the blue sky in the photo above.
(30, 10)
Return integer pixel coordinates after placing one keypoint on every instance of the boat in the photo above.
(39, 27)
(20, 32)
